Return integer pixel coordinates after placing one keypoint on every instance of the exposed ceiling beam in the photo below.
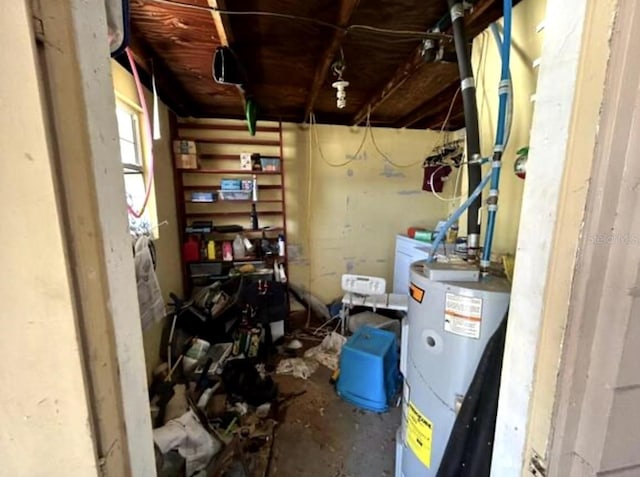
(222, 22)
(345, 11)
(430, 108)
(401, 75)
(413, 64)
(169, 87)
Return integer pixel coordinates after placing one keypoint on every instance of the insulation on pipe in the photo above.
(470, 106)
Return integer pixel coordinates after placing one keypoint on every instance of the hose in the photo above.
(147, 130)
(470, 106)
(498, 150)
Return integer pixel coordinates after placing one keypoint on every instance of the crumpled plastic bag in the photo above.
(328, 352)
(298, 367)
(191, 440)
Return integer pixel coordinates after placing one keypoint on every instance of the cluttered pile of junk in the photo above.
(215, 401)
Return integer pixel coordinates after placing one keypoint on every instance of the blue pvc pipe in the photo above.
(495, 29)
(455, 216)
(500, 132)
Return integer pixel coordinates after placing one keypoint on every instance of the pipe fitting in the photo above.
(473, 241)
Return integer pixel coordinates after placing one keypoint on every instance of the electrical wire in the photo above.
(388, 31)
(351, 28)
(313, 128)
(448, 116)
(455, 187)
(386, 156)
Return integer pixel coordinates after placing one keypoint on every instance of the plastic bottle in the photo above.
(281, 245)
(211, 250)
(254, 189)
(227, 251)
(238, 247)
(452, 234)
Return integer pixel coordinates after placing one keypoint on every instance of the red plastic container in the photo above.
(191, 250)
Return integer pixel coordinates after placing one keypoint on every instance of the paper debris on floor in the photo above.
(327, 353)
(190, 438)
(298, 367)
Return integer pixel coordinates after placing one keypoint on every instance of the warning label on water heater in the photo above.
(463, 315)
(419, 434)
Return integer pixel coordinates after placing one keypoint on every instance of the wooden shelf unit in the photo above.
(218, 148)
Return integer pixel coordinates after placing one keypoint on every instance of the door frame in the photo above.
(569, 94)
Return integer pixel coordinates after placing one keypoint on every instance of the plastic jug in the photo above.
(238, 247)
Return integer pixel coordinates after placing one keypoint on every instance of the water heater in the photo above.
(453, 312)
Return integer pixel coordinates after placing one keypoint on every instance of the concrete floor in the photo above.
(320, 435)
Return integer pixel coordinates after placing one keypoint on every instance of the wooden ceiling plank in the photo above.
(399, 77)
(168, 86)
(411, 66)
(430, 107)
(346, 9)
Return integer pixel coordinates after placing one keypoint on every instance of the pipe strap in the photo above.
(485, 263)
(457, 11)
(468, 83)
(492, 207)
(493, 193)
(496, 164)
(504, 87)
(498, 148)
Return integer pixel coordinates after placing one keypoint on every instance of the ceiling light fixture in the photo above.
(340, 84)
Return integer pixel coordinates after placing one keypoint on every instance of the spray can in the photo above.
(254, 189)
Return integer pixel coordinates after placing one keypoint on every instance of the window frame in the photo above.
(141, 168)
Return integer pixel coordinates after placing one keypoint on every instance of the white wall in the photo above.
(568, 95)
(46, 424)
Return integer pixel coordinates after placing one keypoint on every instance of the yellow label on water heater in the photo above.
(419, 434)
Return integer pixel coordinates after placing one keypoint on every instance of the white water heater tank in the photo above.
(453, 312)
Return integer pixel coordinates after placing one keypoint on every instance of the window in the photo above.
(131, 155)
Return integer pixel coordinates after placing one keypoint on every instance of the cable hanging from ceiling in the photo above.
(368, 131)
(286, 16)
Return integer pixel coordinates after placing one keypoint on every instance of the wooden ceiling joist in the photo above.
(400, 76)
(167, 85)
(223, 25)
(414, 63)
(347, 8)
(429, 109)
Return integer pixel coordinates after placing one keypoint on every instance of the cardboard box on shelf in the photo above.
(245, 161)
(186, 161)
(181, 146)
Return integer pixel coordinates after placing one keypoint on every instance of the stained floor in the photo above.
(320, 435)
